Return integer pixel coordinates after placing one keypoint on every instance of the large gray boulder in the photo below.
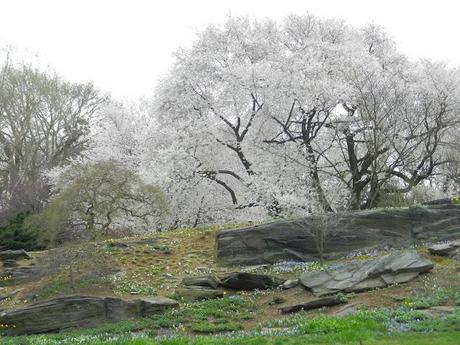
(79, 311)
(346, 232)
(399, 267)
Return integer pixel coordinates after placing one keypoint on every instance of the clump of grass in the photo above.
(133, 283)
(223, 314)
(429, 299)
(6, 280)
(216, 326)
(352, 328)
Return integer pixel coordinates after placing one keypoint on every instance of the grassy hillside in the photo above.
(155, 265)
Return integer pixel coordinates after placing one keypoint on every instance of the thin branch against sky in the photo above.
(126, 46)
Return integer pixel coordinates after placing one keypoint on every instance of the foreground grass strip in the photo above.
(399, 326)
(450, 338)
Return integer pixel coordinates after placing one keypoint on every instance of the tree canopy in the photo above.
(306, 114)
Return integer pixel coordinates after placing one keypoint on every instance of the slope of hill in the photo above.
(155, 265)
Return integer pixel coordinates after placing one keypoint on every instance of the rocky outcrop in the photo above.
(14, 255)
(289, 284)
(348, 232)
(244, 281)
(21, 274)
(202, 281)
(399, 267)
(10, 263)
(79, 311)
(445, 249)
(196, 293)
(315, 304)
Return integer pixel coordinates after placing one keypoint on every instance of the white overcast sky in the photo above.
(125, 46)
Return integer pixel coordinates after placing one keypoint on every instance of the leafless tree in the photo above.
(44, 122)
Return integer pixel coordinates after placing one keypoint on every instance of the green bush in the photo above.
(18, 235)
(99, 196)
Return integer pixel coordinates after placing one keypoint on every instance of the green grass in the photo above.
(450, 338)
(435, 297)
(401, 326)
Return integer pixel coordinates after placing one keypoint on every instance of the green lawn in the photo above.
(448, 338)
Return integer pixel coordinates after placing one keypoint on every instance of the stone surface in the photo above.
(290, 239)
(10, 263)
(315, 304)
(14, 255)
(198, 293)
(289, 284)
(79, 311)
(451, 248)
(21, 274)
(248, 281)
(204, 281)
(399, 267)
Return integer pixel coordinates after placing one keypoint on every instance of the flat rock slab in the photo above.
(79, 311)
(22, 274)
(289, 284)
(248, 281)
(315, 304)
(352, 231)
(204, 281)
(198, 293)
(399, 267)
(451, 248)
(14, 255)
(10, 263)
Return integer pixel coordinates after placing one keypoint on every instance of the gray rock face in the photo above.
(204, 281)
(248, 281)
(292, 239)
(197, 293)
(10, 263)
(445, 249)
(289, 284)
(398, 268)
(79, 311)
(14, 255)
(22, 274)
(315, 304)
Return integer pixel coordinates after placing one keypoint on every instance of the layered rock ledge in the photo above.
(396, 268)
(348, 232)
(79, 311)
